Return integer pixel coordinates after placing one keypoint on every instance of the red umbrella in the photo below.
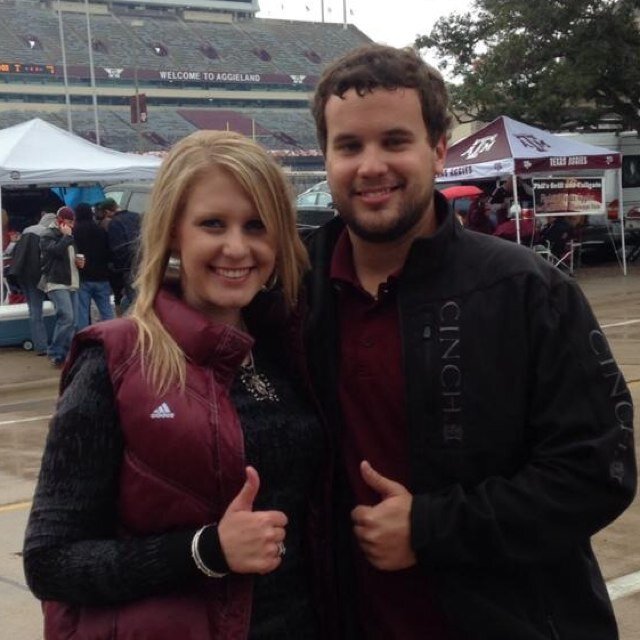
(461, 191)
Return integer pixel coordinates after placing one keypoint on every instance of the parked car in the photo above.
(133, 196)
(316, 196)
(601, 241)
(315, 206)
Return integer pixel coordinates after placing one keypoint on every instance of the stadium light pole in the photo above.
(344, 14)
(92, 75)
(67, 97)
(322, 9)
(136, 87)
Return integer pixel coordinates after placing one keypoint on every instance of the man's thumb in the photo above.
(381, 485)
(244, 500)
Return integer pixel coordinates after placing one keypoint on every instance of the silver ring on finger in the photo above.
(281, 549)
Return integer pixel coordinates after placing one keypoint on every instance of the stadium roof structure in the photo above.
(36, 152)
(507, 147)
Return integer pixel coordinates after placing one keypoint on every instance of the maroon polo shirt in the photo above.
(397, 604)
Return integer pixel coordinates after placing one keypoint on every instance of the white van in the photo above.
(132, 196)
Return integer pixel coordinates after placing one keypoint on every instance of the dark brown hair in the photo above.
(373, 66)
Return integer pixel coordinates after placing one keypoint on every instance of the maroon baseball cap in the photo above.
(66, 213)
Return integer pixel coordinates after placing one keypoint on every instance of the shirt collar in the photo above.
(343, 269)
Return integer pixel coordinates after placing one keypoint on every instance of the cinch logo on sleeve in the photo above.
(161, 412)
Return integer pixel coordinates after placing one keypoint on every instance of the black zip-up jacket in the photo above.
(54, 248)
(92, 241)
(520, 431)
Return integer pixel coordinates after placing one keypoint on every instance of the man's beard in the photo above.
(411, 214)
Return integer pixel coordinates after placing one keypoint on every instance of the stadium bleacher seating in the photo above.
(29, 33)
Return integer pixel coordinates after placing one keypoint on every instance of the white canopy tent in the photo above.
(508, 148)
(39, 153)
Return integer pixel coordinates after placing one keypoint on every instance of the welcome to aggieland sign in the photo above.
(207, 76)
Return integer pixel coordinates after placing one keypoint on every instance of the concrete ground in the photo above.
(28, 388)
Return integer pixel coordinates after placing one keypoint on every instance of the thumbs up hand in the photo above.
(250, 540)
(384, 531)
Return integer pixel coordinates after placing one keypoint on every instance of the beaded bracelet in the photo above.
(195, 554)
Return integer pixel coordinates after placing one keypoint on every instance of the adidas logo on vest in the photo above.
(162, 412)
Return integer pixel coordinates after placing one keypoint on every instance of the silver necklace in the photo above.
(257, 384)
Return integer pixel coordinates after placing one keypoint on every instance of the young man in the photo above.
(484, 430)
(61, 280)
(92, 242)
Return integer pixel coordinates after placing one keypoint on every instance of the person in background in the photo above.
(91, 241)
(123, 232)
(11, 293)
(116, 279)
(478, 216)
(7, 234)
(27, 269)
(60, 280)
(466, 500)
(180, 483)
(558, 233)
(102, 215)
(503, 193)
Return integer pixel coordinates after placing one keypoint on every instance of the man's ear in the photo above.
(440, 155)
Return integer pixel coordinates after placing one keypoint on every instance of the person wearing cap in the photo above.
(60, 280)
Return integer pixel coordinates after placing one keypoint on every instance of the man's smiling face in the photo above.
(380, 163)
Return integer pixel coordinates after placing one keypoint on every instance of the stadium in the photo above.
(137, 76)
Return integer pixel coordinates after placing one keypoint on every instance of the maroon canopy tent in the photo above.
(506, 147)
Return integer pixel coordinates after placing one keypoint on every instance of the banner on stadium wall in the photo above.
(168, 75)
(568, 196)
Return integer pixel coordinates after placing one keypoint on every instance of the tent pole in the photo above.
(621, 218)
(514, 182)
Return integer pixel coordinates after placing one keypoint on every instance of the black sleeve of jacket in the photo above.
(54, 246)
(71, 552)
(581, 471)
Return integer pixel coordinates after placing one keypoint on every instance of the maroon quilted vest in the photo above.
(183, 464)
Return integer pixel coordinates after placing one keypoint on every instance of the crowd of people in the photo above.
(74, 257)
(495, 214)
(286, 441)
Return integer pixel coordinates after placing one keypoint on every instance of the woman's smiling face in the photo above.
(226, 254)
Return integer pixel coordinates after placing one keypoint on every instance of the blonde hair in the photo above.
(264, 183)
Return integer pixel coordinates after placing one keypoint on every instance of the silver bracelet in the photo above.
(195, 554)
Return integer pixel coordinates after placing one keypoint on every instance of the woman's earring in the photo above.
(172, 272)
(271, 283)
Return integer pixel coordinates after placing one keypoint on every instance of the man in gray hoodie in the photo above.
(26, 267)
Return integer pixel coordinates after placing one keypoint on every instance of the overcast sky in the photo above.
(394, 22)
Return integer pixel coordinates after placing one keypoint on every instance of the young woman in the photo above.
(176, 495)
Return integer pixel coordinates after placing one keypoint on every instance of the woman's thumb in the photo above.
(244, 500)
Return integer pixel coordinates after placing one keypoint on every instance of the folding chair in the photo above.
(567, 259)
